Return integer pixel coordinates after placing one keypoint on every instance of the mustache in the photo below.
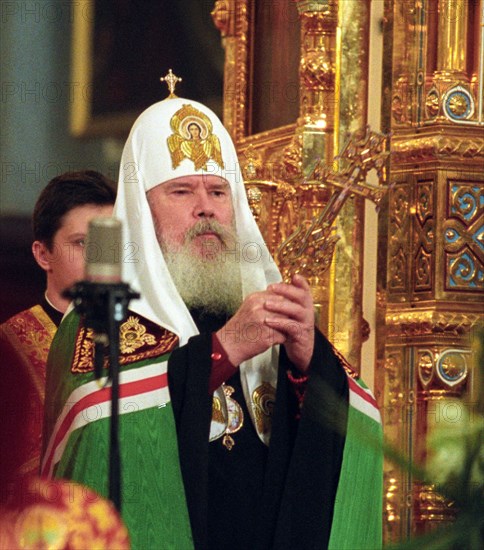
(225, 234)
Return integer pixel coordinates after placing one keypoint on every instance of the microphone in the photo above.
(102, 298)
(102, 251)
(102, 301)
(102, 266)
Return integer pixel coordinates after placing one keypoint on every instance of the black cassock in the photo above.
(253, 497)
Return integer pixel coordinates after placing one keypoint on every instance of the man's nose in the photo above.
(204, 207)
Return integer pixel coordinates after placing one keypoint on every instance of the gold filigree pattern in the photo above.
(432, 266)
(399, 228)
(437, 147)
(317, 70)
(254, 196)
(423, 270)
(393, 410)
(427, 322)
(252, 165)
(432, 104)
(425, 366)
(424, 236)
(397, 109)
(393, 388)
(465, 271)
(424, 206)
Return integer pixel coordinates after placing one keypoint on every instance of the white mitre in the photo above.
(160, 148)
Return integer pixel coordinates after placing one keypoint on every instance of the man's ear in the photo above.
(42, 255)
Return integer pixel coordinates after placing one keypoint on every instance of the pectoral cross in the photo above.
(171, 81)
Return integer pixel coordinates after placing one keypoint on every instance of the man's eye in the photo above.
(80, 242)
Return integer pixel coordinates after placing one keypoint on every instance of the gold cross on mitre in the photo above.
(171, 80)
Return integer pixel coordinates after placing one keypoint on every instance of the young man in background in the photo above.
(60, 222)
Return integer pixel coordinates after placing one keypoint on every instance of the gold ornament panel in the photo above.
(398, 230)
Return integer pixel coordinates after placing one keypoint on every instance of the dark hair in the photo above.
(62, 194)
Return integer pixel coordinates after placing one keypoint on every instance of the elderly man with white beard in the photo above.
(240, 427)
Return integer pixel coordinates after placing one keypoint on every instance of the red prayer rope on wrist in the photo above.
(299, 385)
(298, 380)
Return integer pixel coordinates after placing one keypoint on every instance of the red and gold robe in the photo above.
(25, 341)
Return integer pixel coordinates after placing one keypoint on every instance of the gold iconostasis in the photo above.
(360, 128)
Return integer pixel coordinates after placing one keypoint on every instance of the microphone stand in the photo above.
(103, 307)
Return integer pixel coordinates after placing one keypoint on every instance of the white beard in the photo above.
(210, 281)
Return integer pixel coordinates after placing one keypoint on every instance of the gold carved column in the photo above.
(435, 263)
(277, 163)
(314, 138)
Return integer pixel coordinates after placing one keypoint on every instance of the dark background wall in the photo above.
(36, 90)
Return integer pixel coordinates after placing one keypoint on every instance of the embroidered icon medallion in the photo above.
(193, 139)
(235, 420)
(235, 417)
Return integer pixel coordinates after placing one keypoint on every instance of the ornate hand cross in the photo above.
(310, 248)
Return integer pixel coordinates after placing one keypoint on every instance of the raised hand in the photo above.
(247, 334)
(282, 314)
(292, 306)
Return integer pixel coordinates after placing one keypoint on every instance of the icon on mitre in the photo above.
(193, 139)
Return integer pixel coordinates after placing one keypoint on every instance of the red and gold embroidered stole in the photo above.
(25, 341)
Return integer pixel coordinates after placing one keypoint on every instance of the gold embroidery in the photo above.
(28, 337)
(30, 333)
(263, 398)
(44, 319)
(193, 139)
(133, 335)
(84, 351)
(138, 341)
